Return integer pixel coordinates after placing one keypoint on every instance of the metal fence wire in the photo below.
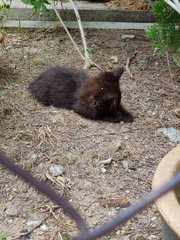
(84, 232)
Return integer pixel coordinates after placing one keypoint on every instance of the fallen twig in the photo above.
(58, 182)
(170, 73)
(128, 64)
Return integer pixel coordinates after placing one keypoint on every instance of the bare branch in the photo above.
(175, 4)
(88, 62)
(67, 31)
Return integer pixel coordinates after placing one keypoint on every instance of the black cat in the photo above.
(97, 97)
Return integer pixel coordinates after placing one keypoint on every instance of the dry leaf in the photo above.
(177, 112)
(1, 38)
(167, 104)
(150, 121)
(114, 202)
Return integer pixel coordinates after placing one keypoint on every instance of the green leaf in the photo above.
(3, 236)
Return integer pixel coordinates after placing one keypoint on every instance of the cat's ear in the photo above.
(118, 72)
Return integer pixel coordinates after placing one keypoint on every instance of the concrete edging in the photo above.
(93, 15)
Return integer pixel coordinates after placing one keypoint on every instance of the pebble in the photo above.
(12, 65)
(32, 157)
(177, 112)
(125, 164)
(117, 144)
(114, 59)
(176, 58)
(126, 137)
(140, 238)
(24, 232)
(11, 211)
(172, 133)
(103, 170)
(128, 36)
(153, 218)
(56, 170)
(16, 43)
(33, 223)
(107, 161)
(125, 238)
(44, 228)
(10, 197)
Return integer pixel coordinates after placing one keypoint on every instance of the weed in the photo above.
(3, 236)
(165, 33)
(142, 62)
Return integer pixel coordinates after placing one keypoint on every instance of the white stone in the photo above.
(56, 170)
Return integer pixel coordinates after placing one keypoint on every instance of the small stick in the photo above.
(86, 58)
(128, 64)
(170, 73)
(67, 31)
(88, 62)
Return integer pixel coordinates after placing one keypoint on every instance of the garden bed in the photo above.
(36, 136)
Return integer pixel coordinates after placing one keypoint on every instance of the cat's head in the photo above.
(107, 94)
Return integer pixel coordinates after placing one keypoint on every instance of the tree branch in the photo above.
(88, 62)
(175, 4)
(67, 31)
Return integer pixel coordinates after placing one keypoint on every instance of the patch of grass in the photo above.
(39, 61)
(6, 86)
(165, 33)
(3, 236)
(142, 62)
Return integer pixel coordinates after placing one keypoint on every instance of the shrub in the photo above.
(166, 32)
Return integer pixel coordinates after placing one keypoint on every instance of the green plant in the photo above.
(3, 236)
(37, 4)
(142, 62)
(166, 32)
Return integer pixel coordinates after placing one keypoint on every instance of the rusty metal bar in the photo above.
(44, 189)
(131, 211)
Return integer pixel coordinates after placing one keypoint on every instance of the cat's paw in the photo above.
(128, 118)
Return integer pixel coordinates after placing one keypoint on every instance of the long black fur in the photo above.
(97, 97)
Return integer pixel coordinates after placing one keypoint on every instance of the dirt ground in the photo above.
(36, 136)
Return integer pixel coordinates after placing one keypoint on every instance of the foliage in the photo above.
(3, 236)
(38, 5)
(166, 32)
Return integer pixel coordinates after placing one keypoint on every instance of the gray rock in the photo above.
(24, 232)
(114, 59)
(176, 58)
(128, 36)
(107, 161)
(32, 223)
(56, 170)
(12, 65)
(125, 164)
(172, 133)
(11, 211)
(32, 157)
(44, 228)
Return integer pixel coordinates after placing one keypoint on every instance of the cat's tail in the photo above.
(39, 92)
